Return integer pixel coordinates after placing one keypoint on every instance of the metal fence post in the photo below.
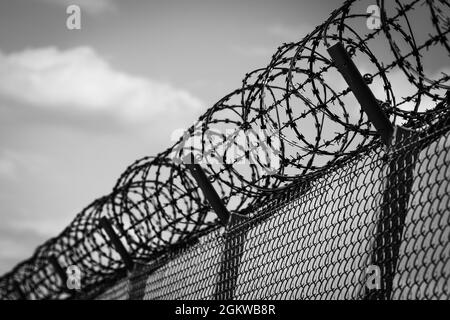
(118, 245)
(362, 92)
(59, 271)
(399, 180)
(208, 190)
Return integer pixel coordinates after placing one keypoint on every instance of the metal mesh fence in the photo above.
(316, 200)
(317, 241)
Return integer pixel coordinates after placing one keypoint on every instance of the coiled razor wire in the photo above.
(306, 121)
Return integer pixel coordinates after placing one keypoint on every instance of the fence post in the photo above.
(118, 245)
(208, 190)
(230, 261)
(393, 212)
(399, 179)
(234, 240)
(19, 291)
(362, 92)
(59, 271)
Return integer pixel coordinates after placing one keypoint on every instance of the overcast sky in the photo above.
(78, 106)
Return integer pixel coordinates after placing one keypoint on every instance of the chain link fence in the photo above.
(318, 240)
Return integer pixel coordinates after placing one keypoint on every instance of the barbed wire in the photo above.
(305, 120)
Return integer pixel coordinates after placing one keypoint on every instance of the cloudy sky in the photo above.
(78, 106)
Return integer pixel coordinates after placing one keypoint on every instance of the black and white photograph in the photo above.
(228, 155)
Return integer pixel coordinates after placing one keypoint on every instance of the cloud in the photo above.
(80, 80)
(91, 6)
